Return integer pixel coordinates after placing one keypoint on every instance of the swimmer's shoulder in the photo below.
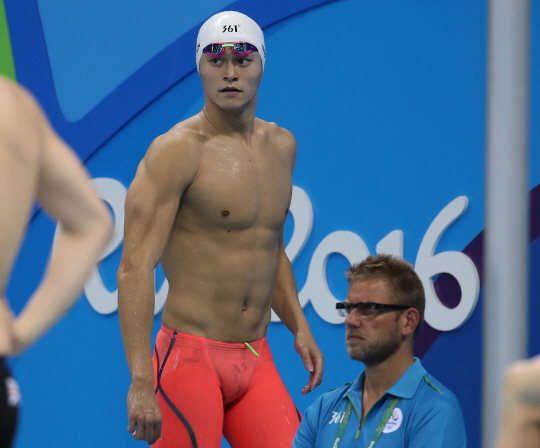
(279, 138)
(17, 101)
(184, 139)
(15, 105)
(176, 153)
(22, 122)
(11, 91)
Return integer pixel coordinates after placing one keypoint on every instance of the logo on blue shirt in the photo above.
(336, 417)
(394, 422)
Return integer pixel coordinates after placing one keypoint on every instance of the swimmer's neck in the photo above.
(231, 122)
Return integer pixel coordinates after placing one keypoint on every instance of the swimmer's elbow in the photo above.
(106, 227)
(124, 272)
(96, 227)
(130, 269)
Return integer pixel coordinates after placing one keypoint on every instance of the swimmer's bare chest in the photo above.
(221, 255)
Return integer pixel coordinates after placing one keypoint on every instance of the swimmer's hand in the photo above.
(307, 348)
(144, 415)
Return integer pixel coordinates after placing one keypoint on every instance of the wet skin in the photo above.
(209, 202)
(215, 203)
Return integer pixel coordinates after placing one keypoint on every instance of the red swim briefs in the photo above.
(207, 388)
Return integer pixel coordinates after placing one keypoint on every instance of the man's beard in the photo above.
(374, 353)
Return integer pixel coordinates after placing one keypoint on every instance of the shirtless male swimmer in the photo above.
(36, 164)
(209, 202)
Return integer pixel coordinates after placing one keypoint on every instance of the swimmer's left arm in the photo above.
(287, 306)
(285, 300)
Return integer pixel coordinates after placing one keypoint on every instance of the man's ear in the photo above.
(409, 321)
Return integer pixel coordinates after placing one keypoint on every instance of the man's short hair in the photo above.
(404, 284)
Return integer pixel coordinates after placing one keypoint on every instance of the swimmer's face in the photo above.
(231, 81)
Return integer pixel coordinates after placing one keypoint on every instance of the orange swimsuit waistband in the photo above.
(242, 345)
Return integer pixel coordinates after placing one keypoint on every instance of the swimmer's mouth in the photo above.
(230, 89)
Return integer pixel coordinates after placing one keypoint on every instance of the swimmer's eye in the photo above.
(243, 61)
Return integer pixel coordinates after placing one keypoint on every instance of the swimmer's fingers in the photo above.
(147, 429)
(144, 416)
(150, 428)
(318, 367)
(313, 360)
(316, 375)
(136, 425)
(157, 433)
(132, 425)
(139, 431)
(154, 432)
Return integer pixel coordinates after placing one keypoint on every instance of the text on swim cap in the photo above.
(230, 28)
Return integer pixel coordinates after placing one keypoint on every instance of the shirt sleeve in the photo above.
(438, 425)
(306, 436)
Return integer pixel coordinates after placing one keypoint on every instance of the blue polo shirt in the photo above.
(427, 415)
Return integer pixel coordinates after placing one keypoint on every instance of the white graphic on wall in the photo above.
(460, 266)
(428, 263)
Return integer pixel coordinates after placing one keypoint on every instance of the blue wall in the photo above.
(386, 100)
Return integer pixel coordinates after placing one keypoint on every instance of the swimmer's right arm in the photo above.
(67, 194)
(151, 206)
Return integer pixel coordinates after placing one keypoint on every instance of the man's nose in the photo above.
(353, 319)
(230, 72)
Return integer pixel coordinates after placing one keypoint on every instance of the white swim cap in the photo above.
(230, 26)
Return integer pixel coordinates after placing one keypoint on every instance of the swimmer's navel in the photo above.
(225, 213)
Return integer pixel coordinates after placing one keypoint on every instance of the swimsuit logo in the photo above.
(394, 422)
(336, 417)
(230, 28)
(13, 392)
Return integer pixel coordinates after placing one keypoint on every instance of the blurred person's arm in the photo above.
(6, 326)
(520, 417)
(65, 191)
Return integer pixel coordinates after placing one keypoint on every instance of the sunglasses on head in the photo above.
(367, 309)
(238, 48)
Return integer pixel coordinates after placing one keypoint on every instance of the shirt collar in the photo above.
(404, 387)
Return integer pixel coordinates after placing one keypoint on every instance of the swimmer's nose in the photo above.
(230, 75)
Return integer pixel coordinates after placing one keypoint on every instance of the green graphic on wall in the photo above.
(7, 67)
